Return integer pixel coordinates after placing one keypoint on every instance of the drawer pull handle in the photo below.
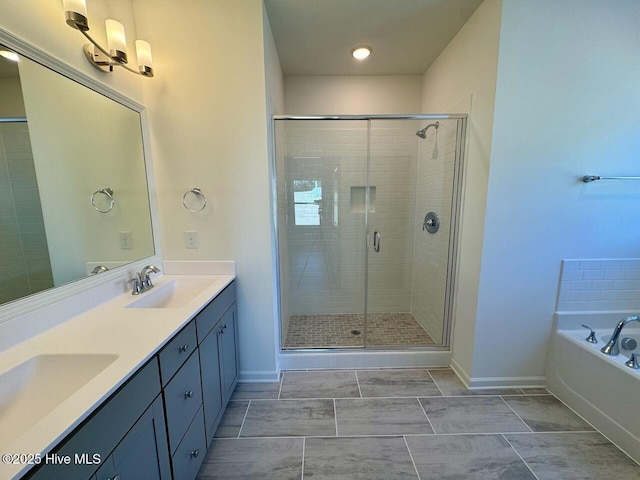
(195, 453)
(183, 348)
(115, 477)
(188, 394)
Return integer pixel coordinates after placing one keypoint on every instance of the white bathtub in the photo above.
(599, 387)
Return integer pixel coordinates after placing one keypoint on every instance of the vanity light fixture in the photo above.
(75, 12)
(361, 52)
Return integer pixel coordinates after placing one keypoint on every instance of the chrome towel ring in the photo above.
(198, 193)
(108, 192)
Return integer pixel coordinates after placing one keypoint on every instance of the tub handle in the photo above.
(633, 362)
(592, 334)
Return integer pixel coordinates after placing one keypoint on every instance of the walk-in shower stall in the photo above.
(367, 210)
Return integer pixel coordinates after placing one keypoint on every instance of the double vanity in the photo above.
(133, 388)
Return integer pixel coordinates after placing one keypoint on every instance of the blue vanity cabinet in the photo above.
(211, 384)
(183, 399)
(191, 451)
(142, 454)
(229, 352)
(159, 424)
(108, 426)
(217, 333)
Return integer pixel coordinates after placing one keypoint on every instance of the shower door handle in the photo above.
(376, 241)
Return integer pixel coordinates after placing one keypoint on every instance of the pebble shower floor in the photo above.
(347, 330)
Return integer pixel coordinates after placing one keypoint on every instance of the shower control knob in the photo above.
(431, 222)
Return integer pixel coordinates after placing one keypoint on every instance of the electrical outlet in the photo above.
(126, 240)
(191, 239)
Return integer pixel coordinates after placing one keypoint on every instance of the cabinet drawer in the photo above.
(209, 316)
(191, 451)
(174, 354)
(102, 432)
(182, 399)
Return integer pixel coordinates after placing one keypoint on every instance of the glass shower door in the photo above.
(411, 180)
(321, 173)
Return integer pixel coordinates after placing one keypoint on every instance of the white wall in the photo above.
(208, 109)
(351, 95)
(567, 104)
(463, 80)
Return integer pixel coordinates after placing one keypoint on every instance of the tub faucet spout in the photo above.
(611, 348)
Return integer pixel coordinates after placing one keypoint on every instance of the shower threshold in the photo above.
(347, 331)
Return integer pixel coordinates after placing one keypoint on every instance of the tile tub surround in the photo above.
(335, 331)
(375, 437)
(599, 285)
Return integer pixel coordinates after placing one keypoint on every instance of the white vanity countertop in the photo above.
(134, 335)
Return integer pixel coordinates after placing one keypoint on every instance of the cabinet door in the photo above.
(229, 354)
(143, 454)
(210, 373)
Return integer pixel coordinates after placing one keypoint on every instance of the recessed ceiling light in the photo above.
(360, 53)
(13, 56)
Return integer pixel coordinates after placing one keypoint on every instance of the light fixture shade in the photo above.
(77, 6)
(75, 12)
(360, 53)
(116, 40)
(143, 52)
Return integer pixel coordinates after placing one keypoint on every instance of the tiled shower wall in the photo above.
(599, 285)
(435, 180)
(24, 263)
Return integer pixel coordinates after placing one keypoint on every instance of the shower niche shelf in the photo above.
(359, 199)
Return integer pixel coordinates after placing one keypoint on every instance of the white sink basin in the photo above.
(31, 390)
(173, 294)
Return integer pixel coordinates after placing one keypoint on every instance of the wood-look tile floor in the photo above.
(412, 424)
(337, 331)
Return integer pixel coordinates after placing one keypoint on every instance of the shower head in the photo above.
(423, 133)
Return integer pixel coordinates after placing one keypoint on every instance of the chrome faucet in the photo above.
(145, 278)
(142, 280)
(611, 348)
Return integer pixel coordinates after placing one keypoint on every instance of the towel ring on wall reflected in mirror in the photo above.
(198, 193)
(108, 192)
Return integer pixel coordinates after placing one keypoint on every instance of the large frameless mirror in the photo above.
(73, 186)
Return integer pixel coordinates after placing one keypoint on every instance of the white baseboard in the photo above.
(259, 376)
(480, 383)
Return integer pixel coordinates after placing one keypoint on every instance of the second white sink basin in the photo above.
(173, 294)
(34, 388)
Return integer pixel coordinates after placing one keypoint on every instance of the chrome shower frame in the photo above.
(456, 215)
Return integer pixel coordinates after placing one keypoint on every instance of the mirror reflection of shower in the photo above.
(423, 133)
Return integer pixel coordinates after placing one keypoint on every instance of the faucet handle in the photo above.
(633, 362)
(145, 279)
(592, 335)
(137, 284)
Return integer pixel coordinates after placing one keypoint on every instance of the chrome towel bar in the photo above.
(593, 178)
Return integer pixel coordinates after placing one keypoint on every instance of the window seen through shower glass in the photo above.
(307, 202)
